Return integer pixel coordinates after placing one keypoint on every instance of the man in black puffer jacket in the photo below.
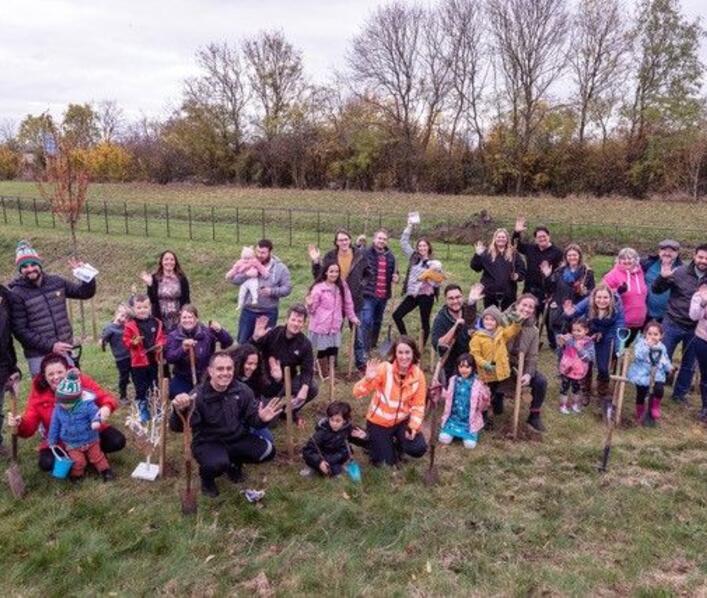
(225, 413)
(40, 320)
(8, 359)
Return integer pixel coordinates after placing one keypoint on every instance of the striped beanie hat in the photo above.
(69, 388)
(26, 254)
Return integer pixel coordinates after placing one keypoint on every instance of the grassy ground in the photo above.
(527, 518)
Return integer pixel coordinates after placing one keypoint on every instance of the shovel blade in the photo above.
(431, 477)
(15, 481)
(189, 505)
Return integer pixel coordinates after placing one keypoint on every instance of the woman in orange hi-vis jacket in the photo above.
(397, 406)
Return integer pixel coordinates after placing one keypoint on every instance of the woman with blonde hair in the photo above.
(501, 269)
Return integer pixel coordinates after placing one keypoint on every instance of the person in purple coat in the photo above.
(190, 333)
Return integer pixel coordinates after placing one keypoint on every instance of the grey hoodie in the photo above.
(277, 280)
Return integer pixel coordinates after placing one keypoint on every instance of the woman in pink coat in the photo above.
(626, 278)
(328, 302)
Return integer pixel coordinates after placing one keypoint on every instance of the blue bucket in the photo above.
(353, 469)
(62, 463)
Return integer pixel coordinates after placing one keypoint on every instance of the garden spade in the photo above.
(434, 392)
(14, 477)
(188, 497)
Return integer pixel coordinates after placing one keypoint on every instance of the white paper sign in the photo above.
(85, 272)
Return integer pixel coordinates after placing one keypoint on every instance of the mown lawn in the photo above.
(526, 518)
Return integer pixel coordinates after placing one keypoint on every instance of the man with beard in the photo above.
(40, 319)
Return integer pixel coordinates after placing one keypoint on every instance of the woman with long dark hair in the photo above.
(168, 289)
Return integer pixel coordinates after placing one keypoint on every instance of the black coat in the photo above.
(39, 314)
(153, 294)
(560, 291)
(8, 359)
(357, 274)
(221, 417)
(682, 286)
(496, 274)
(331, 445)
(534, 257)
(369, 281)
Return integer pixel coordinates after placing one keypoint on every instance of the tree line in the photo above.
(464, 96)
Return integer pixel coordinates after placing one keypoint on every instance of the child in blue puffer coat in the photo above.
(650, 355)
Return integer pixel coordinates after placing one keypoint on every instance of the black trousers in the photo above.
(111, 440)
(642, 392)
(386, 444)
(123, 367)
(408, 304)
(215, 458)
(143, 379)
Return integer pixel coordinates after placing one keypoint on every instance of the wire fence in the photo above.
(294, 226)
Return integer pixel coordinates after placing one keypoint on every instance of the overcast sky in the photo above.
(138, 52)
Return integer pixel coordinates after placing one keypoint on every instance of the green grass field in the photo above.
(527, 518)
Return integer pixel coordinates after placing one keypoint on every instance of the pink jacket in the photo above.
(698, 313)
(576, 357)
(479, 402)
(635, 296)
(243, 265)
(326, 316)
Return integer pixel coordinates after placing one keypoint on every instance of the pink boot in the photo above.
(655, 408)
(640, 411)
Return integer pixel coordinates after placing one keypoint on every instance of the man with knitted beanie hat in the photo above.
(40, 320)
(75, 423)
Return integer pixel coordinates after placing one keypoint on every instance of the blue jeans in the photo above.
(246, 322)
(673, 335)
(178, 385)
(371, 321)
(701, 354)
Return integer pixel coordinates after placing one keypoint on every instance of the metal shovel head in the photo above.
(431, 477)
(188, 502)
(15, 481)
(353, 469)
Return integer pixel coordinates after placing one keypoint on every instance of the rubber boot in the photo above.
(144, 412)
(497, 404)
(535, 422)
(655, 408)
(640, 412)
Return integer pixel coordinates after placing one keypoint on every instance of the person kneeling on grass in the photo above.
(75, 423)
(327, 451)
(465, 399)
(225, 412)
(397, 407)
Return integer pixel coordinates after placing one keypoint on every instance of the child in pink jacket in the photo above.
(576, 355)
(465, 400)
(626, 278)
(328, 302)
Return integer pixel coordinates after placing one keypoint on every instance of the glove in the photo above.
(623, 287)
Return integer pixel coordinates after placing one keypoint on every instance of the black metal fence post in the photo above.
(88, 217)
(262, 223)
(238, 227)
(190, 229)
(4, 209)
(125, 211)
(290, 216)
(449, 230)
(144, 211)
(19, 209)
(34, 207)
(105, 215)
(213, 223)
(166, 214)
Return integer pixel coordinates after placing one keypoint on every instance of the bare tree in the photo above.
(221, 92)
(529, 39)
(386, 68)
(276, 78)
(461, 20)
(110, 119)
(597, 49)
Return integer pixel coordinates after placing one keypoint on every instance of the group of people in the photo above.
(235, 390)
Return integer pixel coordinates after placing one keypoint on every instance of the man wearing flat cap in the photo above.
(668, 253)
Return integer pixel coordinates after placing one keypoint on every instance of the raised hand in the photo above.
(545, 268)
(372, 368)
(275, 368)
(479, 247)
(75, 263)
(568, 307)
(666, 270)
(314, 253)
(261, 327)
(476, 293)
(215, 326)
(146, 278)
(270, 411)
(521, 224)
